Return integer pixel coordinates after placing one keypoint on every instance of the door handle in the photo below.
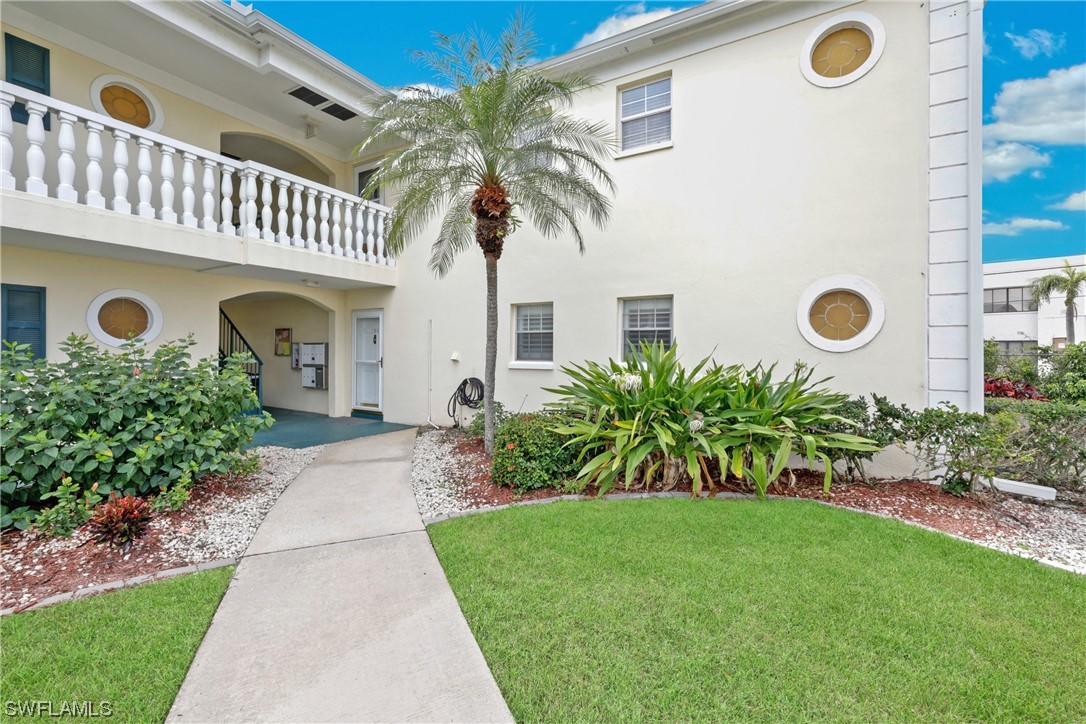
(381, 362)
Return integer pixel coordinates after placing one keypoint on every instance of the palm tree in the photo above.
(494, 150)
(1070, 282)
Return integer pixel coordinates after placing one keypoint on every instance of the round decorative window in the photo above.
(120, 316)
(126, 100)
(126, 105)
(840, 313)
(842, 49)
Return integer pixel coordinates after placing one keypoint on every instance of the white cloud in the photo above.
(1074, 202)
(1016, 226)
(625, 19)
(1037, 42)
(1003, 161)
(1042, 110)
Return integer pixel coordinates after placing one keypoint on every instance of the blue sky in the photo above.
(1034, 89)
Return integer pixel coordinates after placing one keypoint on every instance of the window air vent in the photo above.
(311, 97)
(337, 111)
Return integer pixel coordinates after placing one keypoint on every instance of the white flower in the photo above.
(626, 382)
(696, 424)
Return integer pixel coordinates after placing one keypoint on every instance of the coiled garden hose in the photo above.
(468, 394)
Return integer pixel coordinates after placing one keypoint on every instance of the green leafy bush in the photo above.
(861, 419)
(650, 416)
(961, 449)
(478, 422)
(529, 454)
(1066, 378)
(993, 356)
(1048, 442)
(134, 422)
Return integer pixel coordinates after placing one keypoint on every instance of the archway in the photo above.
(270, 152)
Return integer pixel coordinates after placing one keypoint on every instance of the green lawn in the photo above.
(668, 610)
(131, 648)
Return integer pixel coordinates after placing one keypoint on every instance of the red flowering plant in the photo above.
(1012, 389)
(120, 520)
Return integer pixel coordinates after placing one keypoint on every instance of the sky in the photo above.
(1034, 89)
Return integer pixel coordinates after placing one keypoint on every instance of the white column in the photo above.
(311, 219)
(324, 245)
(35, 154)
(120, 172)
(371, 242)
(166, 190)
(382, 258)
(348, 231)
(7, 151)
(360, 231)
(296, 217)
(283, 237)
(226, 205)
(337, 219)
(66, 159)
(208, 200)
(143, 184)
(248, 202)
(94, 166)
(266, 231)
(188, 193)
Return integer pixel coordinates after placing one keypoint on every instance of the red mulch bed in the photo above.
(36, 566)
(975, 517)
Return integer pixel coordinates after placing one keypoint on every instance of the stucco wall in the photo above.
(771, 184)
(189, 301)
(257, 322)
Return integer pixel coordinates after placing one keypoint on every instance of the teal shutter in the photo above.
(24, 316)
(27, 66)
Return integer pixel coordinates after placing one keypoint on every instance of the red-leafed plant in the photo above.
(1012, 389)
(120, 520)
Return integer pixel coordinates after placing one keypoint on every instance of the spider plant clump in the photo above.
(649, 419)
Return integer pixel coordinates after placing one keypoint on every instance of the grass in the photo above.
(130, 648)
(678, 610)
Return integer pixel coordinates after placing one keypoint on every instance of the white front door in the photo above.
(368, 362)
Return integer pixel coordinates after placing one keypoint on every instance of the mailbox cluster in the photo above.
(314, 360)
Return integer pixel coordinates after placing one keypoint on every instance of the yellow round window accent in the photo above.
(839, 315)
(841, 52)
(126, 105)
(124, 318)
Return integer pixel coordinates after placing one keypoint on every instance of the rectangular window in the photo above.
(1017, 346)
(364, 176)
(24, 316)
(535, 332)
(27, 66)
(646, 114)
(646, 320)
(1008, 299)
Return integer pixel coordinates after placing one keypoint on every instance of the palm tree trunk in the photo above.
(1070, 317)
(491, 348)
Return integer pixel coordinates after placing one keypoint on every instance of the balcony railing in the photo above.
(195, 187)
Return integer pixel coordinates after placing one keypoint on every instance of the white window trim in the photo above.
(622, 351)
(623, 153)
(157, 116)
(864, 21)
(154, 314)
(380, 189)
(532, 364)
(844, 283)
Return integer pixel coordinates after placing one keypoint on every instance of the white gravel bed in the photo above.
(226, 525)
(1048, 534)
(431, 469)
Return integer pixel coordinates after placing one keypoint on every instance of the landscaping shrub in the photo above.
(650, 416)
(1066, 378)
(1048, 442)
(529, 454)
(958, 448)
(861, 419)
(133, 421)
(1011, 389)
(476, 427)
(120, 520)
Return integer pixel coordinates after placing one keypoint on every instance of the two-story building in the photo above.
(796, 181)
(1014, 320)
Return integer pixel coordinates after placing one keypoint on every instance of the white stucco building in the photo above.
(1010, 316)
(796, 180)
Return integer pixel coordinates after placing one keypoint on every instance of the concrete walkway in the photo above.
(340, 611)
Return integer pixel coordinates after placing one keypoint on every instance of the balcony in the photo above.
(94, 185)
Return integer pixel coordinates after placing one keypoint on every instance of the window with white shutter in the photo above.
(535, 333)
(646, 114)
(646, 320)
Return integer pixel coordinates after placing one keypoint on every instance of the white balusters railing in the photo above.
(146, 173)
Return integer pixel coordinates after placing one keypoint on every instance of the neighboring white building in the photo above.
(1010, 316)
(797, 180)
